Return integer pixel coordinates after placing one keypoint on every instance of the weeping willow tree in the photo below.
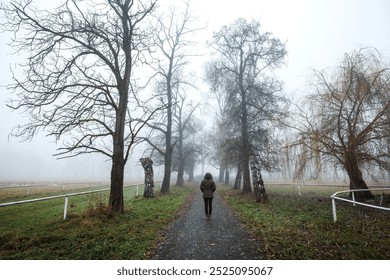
(345, 122)
(303, 159)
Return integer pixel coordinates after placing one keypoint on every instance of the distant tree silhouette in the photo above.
(173, 42)
(241, 68)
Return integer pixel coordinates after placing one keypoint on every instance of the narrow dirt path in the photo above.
(193, 237)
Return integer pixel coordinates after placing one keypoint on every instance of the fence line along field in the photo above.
(37, 230)
(296, 223)
(76, 204)
(301, 226)
(12, 191)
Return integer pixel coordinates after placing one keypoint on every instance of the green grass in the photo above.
(293, 227)
(288, 227)
(37, 230)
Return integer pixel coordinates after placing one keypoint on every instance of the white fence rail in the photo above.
(354, 202)
(66, 196)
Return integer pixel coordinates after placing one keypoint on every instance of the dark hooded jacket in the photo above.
(207, 186)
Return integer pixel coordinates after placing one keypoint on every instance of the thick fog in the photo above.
(318, 33)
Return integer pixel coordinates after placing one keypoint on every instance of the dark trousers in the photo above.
(208, 205)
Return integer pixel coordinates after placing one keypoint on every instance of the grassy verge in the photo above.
(294, 227)
(37, 231)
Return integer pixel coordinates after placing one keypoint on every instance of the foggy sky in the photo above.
(318, 33)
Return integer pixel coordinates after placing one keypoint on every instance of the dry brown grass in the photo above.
(20, 191)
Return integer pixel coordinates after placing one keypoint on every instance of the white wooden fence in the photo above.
(66, 196)
(354, 202)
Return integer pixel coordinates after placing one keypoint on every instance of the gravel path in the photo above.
(192, 237)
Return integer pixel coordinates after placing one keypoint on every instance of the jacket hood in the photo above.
(208, 176)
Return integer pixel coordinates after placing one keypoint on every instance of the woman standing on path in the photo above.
(207, 186)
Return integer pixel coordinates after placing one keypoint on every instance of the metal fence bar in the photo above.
(66, 196)
(354, 202)
(58, 196)
(31, 200)
(75, 194)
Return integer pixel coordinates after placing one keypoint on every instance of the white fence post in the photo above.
(353, 198)
(334, 210)
(354, 202)
(66, 206)
(66, 196)
(299, 190)
(380, 203)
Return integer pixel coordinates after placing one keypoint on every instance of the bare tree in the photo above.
(346, 121)
(193, 150)
(226, 138)
(79, 77)
(244, 58)
(172, 37)
(182, 118)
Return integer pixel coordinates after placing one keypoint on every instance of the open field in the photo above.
(37, 230)
(296, 223)
(12, 191)
(290, 226)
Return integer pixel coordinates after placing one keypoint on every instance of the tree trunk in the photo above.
(116, 202)
(147, 164)
(116, 190)
(221, 173)
(191, 174)
(356, 181)
(258, 183)
(227, 177)
(180, 167)
(167, 173)
(245, 147)
(180, 177)
(180, 153)
(246, 186)
(168, 137)
(237, 181)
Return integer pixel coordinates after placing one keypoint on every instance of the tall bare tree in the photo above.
(172, 36)
(346, 121)
(78, 79)
(225, 130)
(182, 119)
(244, 59)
